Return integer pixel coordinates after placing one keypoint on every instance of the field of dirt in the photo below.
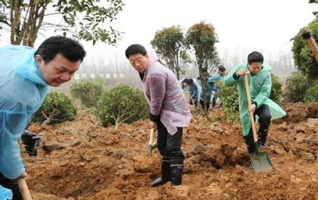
(83, 160)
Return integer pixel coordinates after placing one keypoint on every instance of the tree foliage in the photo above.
(85, 20)
(303, 56)
(229, 99)
(169, 45)
(296, 86)
(88, 92)
(276, 92)
(57, 107)
(312, 94)
(122, 104)
(201, 38)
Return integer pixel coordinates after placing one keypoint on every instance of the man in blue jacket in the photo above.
(25, 77)
(212, 88)
(194, 90)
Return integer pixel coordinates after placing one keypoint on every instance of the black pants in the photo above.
(12, 185)
(264, 120)
(170, 145)
(207, 105)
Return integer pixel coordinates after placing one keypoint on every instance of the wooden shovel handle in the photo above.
(151, 137)
(248, 94)
(24, 189)
(313, 46)
(311, 42)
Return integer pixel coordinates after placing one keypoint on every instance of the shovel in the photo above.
(150, 141)
(260, 160)
(311, 42)
(24, 189)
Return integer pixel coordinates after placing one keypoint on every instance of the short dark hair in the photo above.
(69, 48)
(188, 80)
(221, 68)
(255, 56)
(134, 49)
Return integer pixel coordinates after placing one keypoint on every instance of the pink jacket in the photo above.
(165, 97)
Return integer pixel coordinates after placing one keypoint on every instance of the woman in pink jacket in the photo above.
(169, 112)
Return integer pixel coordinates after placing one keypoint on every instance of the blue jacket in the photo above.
(195, 90)
(22, 90)
(212, 80)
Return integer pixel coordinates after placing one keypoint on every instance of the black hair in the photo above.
(69, 48)
(188, 80)
(135, 49)
(221, 68)
(255, 56)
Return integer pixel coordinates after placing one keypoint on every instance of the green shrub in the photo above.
(296, 86)
(312, 94)
(57, 107)
(229, 99)
(122, 104)
(276, 93)
(88, 92)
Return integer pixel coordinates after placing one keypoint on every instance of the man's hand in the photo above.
(30, 141)
(23, 175)
(153, 125)
(252, 108)
(241, 72)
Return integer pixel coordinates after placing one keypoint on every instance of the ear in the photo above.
(38, 59)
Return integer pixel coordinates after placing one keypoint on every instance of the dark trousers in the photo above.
(264, 120)
(12, 185)
(207, 105)
(170, 145)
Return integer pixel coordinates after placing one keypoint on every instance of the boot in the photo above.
(176, 172)
(165, 171)
(262, 137)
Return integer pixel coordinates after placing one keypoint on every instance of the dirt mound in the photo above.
(83, 160)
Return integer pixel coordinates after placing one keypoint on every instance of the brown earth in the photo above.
(83, 160)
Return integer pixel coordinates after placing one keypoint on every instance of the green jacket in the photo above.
(260, 88)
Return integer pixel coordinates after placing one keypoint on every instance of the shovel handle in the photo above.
(151, 137)
(24, 189)
(311, 42)
(248, 93)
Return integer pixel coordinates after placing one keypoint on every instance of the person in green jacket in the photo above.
(260, 84)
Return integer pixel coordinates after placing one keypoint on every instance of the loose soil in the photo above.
(83, 160)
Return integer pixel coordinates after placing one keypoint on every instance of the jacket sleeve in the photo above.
(264, 92)
(230, 79)
(12, 126)
(157, 94)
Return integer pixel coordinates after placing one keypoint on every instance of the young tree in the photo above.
(88, 92)
(56, 108)
(122, 104)
(84, 19)
(169, 44)
(201, 38)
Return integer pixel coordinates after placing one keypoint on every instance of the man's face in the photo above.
(139, 62)
(185, 84)
(59, 70)
(223, 73)
(255, 67)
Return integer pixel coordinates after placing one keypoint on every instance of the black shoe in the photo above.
(165, 171)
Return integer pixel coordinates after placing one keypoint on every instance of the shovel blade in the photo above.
(261, 162)
(149, 149)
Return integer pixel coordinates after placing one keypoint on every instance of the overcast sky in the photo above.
(242, 26)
